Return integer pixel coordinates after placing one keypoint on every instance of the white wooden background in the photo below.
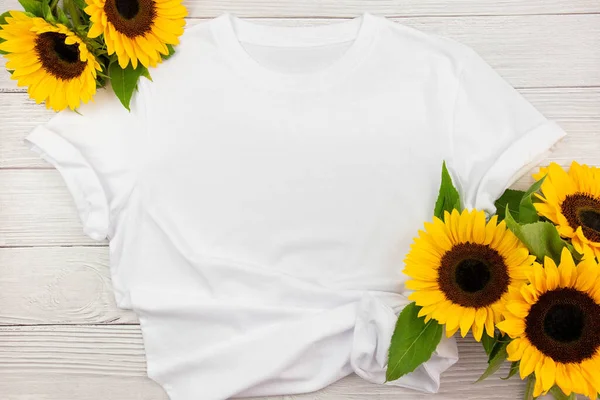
(61, 336)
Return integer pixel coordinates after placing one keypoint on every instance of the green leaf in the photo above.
(448, 198)
(80, 4)
(487, 343)
(124, 81)
(171, 52)
(3, 17)
(497, 357)
(529, 388)
(511, 199)
(560, 395)
(527, 212)
(32, 6)
(541, 238)
(62, 17)
(514, 368)
(47, 12)
(3, 22)
(146, 73)
(576, 255)
(413, 342)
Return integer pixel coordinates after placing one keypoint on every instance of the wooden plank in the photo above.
(59, 386)
(57, 285)
(35, 209)
(576, 109)
(348, 8)
(517, 46)
(113, 356)
(18, 116)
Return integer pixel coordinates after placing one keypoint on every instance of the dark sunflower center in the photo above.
(590, 219)
(131, 17)
(127, 8)
(66, 52)
(57, 57)
(564, 324)
(583, 210)
(473, 275)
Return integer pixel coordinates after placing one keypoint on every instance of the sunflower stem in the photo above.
(53, 4)
(529, 388)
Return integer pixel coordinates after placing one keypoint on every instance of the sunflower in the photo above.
(462, 268)
(555, 323)
(51, 60)
(137, 30)
(572, 202)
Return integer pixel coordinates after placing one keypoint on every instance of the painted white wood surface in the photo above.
(348, 8)
(528, 51)
(61, 336)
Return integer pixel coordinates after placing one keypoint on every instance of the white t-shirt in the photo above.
(263, 191)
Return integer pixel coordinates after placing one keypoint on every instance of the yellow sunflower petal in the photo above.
(426, 298)
(425, 274)
(490, 229)
(590, 374)
(454, 315)
(562, 379)
(451, 331)
(552, 276)
(567, 271)
(537, 388)
(588, 273)
(172, 12)
(516, 348)
(548, 373)
(529, 294)
(577, 381)
(531, 357)
(479, 227)
(165, 36)
(464, 227)
(96, 30)
(479, 323)
(440, 311)
(123, 60)
(512, 326)
(414, 284)
(519, 309)
(489, 323)
(466, 321)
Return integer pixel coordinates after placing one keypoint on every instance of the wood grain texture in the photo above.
(115, 354)
(36, 210)
(57, 285)
(348, 8)
(518, 47)
(577, 110)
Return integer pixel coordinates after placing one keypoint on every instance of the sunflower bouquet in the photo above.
(525, 282)
(64, 52)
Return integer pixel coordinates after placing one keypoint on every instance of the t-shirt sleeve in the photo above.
(92, 150)
(497, 135)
